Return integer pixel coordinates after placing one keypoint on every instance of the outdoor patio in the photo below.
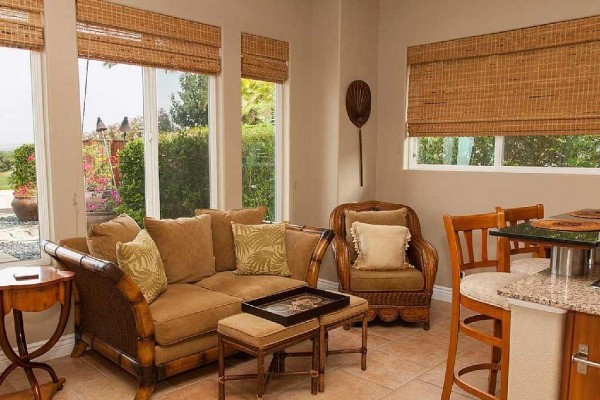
(18, 240)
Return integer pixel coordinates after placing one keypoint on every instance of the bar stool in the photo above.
(538, 261)
(478, 292)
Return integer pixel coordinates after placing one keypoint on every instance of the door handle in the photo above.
(581, 359)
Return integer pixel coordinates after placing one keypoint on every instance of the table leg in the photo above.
(314, 374)
(221, 368)
(22, 345)
(260, 372)
(363, 350)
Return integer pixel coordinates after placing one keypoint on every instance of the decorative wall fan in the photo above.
(358, 107)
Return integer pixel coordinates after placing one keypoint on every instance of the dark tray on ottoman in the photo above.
(296, 305)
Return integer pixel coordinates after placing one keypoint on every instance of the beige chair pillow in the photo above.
(221, 232)
(102, 238)
(391, 217)
(380, 247)
(140, 260)
(185, 246)
(260, 249)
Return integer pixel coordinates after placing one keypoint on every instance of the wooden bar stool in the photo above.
(478, 292)
(538, 261)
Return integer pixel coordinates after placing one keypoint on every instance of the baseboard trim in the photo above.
(442, 293)
(326, 284)
(62, 348)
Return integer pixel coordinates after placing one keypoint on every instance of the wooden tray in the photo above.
(296, 305)
(586, 213)
(566, 225)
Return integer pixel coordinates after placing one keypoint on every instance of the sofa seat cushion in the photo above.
(357, 305)
(260, 332)
(410, 279)
(184, 311)
(248, 287)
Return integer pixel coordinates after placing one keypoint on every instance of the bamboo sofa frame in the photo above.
(113, 318)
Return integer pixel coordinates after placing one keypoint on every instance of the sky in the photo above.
(112, 93)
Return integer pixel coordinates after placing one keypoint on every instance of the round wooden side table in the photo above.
(33, 289)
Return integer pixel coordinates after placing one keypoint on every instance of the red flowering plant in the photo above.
(101, 194)
(23, 176)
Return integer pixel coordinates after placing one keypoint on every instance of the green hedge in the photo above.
(184, 172)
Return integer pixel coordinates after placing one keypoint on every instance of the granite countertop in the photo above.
(568, 293)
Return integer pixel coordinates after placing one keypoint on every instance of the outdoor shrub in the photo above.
(131, 167)
(101, 193)
(23, 178)
(258, 165)
(6, 161)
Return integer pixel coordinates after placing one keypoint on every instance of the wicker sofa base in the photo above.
(389, 306)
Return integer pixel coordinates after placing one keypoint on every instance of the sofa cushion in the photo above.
(184, 311)
(222, 235)
(260, 332)
(102, 238)
(140, 260)
(260, 249)
(410, 279)
(299, 246)
(357, 305)
(184, 348)
(248, 287)
(185, 246)
(383, 217)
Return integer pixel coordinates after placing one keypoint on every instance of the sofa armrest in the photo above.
(342, 262)
(109, 305)
(316, 259)
(424, 257)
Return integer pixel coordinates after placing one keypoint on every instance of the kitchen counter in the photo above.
(568, 293)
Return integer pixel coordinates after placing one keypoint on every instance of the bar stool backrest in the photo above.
(513, 216)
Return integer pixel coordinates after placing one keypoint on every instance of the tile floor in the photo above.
(404, 362)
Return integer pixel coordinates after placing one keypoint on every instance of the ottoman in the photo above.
(260, 337)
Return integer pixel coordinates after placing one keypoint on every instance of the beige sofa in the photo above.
(177, 331)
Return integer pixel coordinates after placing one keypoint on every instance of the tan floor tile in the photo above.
(102, 388)
(428, 350)
(386, 369)
(342, 385)
(6, 387)
(417, 389)
(202, 389)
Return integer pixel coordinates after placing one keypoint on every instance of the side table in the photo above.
(33, 295)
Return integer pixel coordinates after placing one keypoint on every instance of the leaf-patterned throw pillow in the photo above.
(260, 249)
(140, 260)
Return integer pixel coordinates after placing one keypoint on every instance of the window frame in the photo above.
(279, 152)
(411, 144)
(39, 140)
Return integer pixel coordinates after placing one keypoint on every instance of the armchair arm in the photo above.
(109, 305)
(424, 257)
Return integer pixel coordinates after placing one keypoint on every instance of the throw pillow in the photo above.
(386, 217)
(260, 249)
(185, 246)
(102, 238)
(380, 247)
(140, 260)
(221, 232)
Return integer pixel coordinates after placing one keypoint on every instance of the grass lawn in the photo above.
(4, 180)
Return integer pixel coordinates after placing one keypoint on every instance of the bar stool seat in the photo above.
(529, 266)
(484, 287)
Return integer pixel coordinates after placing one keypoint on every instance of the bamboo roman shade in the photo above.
(543, 80)
(21, 24)
(116, 33)
(264, 59)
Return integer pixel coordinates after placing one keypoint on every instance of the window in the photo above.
(145, 141)
(23, 196)
(261, 146)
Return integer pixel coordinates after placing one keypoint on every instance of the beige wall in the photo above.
(432, 194)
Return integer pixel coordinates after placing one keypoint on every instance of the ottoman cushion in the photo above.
(259, 332)
(357, 305)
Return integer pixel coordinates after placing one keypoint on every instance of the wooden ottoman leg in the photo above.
(221, 368)
(314, 374)
(322, 356)
(363, 350)
(260, 374)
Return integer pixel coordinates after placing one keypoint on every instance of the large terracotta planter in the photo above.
(25, 208)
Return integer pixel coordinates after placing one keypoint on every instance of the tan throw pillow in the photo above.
(260, 249)
(185, 246)
(140, 260)
(221, 232)
(380, 247)
(102, 238)
(391, 217)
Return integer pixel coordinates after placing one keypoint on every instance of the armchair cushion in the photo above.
(248, 287)
(184, 311)
(380, 247)
(406, 280)
(222, 234)
(384, 217)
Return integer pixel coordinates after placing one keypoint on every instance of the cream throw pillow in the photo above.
(260, 249)
(380, 247)
(140, 260)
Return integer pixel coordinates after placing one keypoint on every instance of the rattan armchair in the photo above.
(410, 305)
